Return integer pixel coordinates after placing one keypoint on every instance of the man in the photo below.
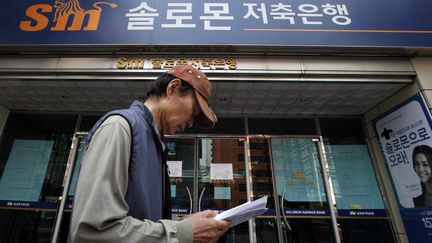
(123, 189)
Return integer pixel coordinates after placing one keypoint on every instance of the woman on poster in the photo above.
(422, 163)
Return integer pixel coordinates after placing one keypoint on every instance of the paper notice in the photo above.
(175, 168)
(221, 171)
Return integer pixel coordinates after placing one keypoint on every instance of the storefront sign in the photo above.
(273, 22)
(405, 136)
(167, 63)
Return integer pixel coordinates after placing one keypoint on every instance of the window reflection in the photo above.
(262, 185)
(224, 187)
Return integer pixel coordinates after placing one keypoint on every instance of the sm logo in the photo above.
(66, 12)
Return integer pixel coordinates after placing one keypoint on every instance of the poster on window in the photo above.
(405, 137)
(353, 177)
(23, 177)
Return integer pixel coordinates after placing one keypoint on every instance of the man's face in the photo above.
(422, 168)
(180, 112)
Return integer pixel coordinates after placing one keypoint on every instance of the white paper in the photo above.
(244, 212)
(175, 168)
(221, 171)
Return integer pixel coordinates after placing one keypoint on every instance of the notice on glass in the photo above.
(221, 171)
(25, 170)
(175, 168)
(244, 212)
(222, 193)
(352, 173)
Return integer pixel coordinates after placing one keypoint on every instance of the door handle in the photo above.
(199, 201)
(283, 209)
(190, 200)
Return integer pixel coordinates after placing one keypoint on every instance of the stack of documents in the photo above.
(244, 212)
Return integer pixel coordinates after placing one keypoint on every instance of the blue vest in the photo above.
(148, 193)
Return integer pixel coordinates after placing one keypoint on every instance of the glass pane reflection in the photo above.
(182, 152)
(262, 185)
(216, 190)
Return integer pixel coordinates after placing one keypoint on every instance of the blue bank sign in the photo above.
(391, 23)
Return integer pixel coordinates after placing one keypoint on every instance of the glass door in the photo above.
(222, 180)
(300, 190)
(181, 157)
(211, 173)
(63, 216)
(266, 225)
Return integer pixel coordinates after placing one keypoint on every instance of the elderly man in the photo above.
(123, 191)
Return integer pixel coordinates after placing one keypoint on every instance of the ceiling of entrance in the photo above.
(229, 98)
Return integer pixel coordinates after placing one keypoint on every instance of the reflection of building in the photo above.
(261, 171)
(231, 151)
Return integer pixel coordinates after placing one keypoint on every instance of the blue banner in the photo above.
(385, 23)
(405, 136)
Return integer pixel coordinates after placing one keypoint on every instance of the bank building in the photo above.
(321, 105)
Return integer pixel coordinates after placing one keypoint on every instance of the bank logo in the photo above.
(69, 15)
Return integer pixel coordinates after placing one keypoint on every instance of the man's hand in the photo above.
(205, 228)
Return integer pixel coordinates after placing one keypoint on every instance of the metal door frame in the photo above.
(66, 183)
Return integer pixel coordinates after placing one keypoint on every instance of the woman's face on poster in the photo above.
(422, 167)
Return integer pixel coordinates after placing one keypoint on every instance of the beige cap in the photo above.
(202, 87)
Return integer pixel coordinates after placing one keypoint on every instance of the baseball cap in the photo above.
(202, 87)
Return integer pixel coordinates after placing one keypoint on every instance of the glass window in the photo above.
(221, 180)
(300, 189)
(298, 173)
(266, 225)
(181, 158)
(36, 146)
(33, 155)
(282, 126)
(354, 182)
